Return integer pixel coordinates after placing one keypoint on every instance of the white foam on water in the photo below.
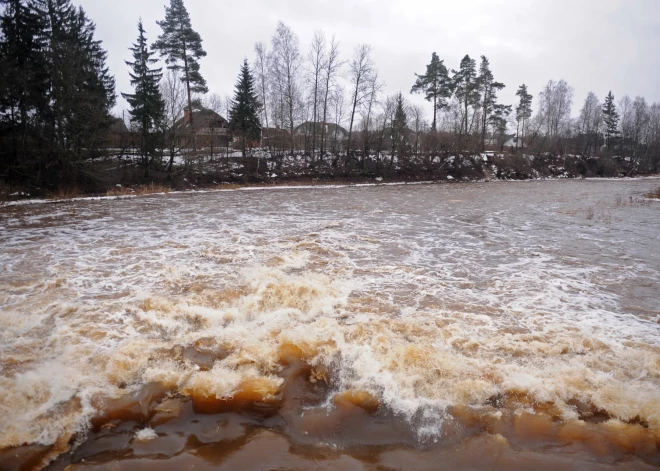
(423, 302)
(146, 435)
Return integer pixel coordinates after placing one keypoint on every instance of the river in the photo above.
(480, 326)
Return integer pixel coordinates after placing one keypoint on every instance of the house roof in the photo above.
(202, 119)
(273, 131)
(309, 126)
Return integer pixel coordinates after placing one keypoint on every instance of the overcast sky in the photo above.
(595, 45)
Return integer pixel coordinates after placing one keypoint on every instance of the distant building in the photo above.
(119, 137)
(208, 128)
(276, 137)
(331, 130)
(512, 141)
(118, 126)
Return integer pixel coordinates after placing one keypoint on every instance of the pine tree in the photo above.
(147, 105)
(611, 120)
(244, 113)
(491, 112)
(467, 89)
(437, 86)
(523, 111)
(182, 48)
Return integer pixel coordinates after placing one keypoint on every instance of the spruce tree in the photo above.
(182, 48)
(81, 91)
(244, 114)
(91, 88)
(23, 82)
(436, 85)
(467, 88)
(523, 111)
(491, 112)
(611, 120)
(147, 105)
(24, 74)
(399, 124)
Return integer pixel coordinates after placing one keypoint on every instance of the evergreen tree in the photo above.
(244, 113)
(86, 88)
(498, 118)
(147, 105)
(63, 83)
(399, 124)
(611, 120)
(23, 66)
(436, 84)
(467, 89)
(182, 48)
(23, 77)
(491, 112)
(523, 111)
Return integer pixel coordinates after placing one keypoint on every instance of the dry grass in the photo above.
(654, 194)
(66, 193)
(227, 186)
(138, 190)
(271, 184)
(4, 193)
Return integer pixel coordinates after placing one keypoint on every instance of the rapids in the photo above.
(482, 326)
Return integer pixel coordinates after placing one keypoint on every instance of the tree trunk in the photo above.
(350, 129)
(185, 68)
(483, 121)
(314, 117)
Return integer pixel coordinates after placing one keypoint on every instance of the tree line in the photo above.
(57, 95)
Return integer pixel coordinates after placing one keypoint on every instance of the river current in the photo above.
(481, 326)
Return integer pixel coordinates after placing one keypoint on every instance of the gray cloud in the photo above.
(595, 45)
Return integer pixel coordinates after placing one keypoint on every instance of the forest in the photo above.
(312, 111)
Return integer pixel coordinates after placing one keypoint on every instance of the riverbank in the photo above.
(113, 176)
(121, 192)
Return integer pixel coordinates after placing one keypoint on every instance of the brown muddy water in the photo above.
(418, 327)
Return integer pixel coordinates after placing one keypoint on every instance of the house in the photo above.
(331, 130)
(207, 127)
(511, 140)
(119, 137)
(118, 126)
(276, 138)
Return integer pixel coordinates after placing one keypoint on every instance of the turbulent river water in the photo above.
(464, 326)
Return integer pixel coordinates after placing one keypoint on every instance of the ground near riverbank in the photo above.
(116, 177)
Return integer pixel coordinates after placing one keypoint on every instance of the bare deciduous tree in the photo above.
(330, 74)
(361, 75)
(385, 122)
(317, 59)
(261, 75)
(174, 95)
(375, 87)
(285, 66)
(626, 123)
(590, 121)
(339, 108)
(555, 107)
(416, 114)
(215, 103)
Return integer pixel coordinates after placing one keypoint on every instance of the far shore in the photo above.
(132, 191)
